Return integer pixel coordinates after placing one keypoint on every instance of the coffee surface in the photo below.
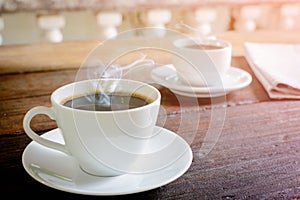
(203, 46)
(107, 102)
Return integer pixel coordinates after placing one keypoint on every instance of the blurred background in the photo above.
(36, 21)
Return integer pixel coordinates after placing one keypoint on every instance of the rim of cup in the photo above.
(183, 42)
(58, 98)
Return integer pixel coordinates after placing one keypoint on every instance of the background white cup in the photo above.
(199, 66)
(105, 143)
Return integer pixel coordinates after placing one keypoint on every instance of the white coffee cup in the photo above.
(201, 61)
(105, 143)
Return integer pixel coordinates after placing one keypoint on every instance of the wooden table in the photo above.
(257, 155)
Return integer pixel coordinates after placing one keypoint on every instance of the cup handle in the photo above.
(34, 136)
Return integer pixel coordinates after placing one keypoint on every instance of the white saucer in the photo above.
(60, 171)
(234, 79)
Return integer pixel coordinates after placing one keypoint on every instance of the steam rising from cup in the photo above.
(98, 70)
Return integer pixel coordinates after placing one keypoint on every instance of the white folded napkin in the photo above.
(277, 67)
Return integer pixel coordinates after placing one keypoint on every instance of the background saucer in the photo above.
(199, 95)
(234, 79)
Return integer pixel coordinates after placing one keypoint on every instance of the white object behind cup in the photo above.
(201, 67)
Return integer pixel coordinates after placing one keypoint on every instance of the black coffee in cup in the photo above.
(107, 102)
